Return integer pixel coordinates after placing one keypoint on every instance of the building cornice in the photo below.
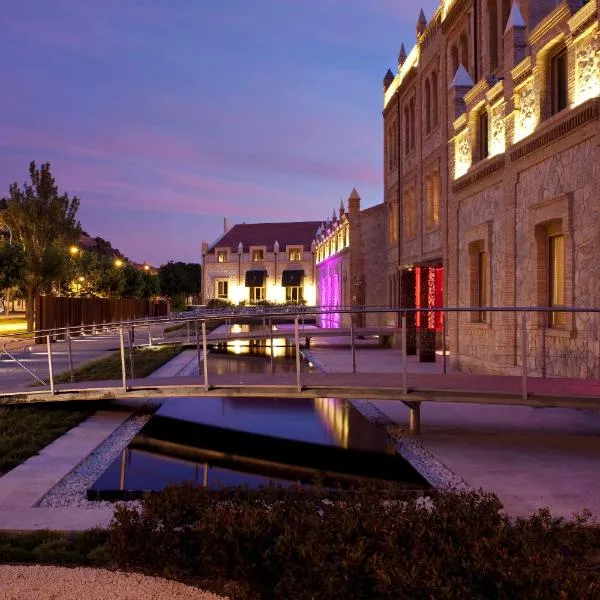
(585, 18)
(561, 13)
(522, 71)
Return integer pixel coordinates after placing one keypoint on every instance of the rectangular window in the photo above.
(221, 256)
(293, 294)
(222, 289)
(482, 132)
(258, 255)
(556, 279)
(257, 294)
(295, 254)
(410, 214)
(482, 284)
(559, 80)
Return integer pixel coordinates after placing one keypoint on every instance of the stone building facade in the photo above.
(350, 253)
(502, 100)
(253, 263)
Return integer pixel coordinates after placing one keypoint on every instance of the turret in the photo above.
(421, 24)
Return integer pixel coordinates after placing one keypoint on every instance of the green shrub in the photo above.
(291, 543)
(217, 303)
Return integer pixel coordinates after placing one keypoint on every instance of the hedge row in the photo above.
(276, 543)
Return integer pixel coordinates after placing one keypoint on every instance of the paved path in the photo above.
(24, 486)
(529, 457)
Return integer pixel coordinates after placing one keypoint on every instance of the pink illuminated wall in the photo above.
(330, 289)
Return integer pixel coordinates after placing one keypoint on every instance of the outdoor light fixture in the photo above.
(118, 263)
(73, 250)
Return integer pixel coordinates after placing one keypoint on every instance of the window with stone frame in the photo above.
(552, 271)
(410, 214)
(559, 79)
(427, 106)
(432, 199)
(222, 289)
(392, 224)
(258, 255)
(556, 274)
(406, 130)
(482, 135)
(294, 254)
(479, 278)
(412, 123)
(434, 100)
(222, 256)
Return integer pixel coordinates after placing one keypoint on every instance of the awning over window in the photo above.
(292, 277)
(255, 278)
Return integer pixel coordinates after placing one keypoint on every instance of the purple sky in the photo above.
(166, 116)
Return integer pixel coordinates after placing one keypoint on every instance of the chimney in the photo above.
(225, 225)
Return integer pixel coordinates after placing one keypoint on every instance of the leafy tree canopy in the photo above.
(177, 278)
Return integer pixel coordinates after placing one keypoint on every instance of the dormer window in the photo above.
(221, 256)
(295, 254)
(258, 255)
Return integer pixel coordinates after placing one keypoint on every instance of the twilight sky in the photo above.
(164, 116)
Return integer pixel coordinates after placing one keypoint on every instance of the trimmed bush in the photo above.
(366, 543)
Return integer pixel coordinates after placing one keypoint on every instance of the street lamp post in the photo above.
(313, 247)
(276, 252)
(240, 250)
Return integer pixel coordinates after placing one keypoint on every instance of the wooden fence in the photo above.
(53, 312)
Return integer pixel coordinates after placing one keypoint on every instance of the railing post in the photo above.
(205, 356)
(414, 418)
(70, 353)
(543, 344)
(149, 335)
(524, 352)
(130, 350)
(444, 365)
(188, 331)
(297, 342)
(404, 359)
(50, 371)
(271, 342)
(352, 345)
(123, 369)
(198, 350)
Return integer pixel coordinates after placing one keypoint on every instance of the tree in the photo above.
(151, 285)
(44, 223)
(133, 286)
(178, 278)
(12, 271)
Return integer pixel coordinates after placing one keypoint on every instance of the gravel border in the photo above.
(72, 489)
(437, 474)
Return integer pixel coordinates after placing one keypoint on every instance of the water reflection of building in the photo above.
(251, 263)
(350, 261)
(334, 413)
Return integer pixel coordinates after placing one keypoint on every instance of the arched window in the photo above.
(493, 34)
(434, 103)
(412, 123)
(454, 54)
(464, 51)
(406, 130)
(427, 106)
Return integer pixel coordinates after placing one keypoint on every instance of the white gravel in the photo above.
(72, 489)
(437, 474)
(61, 583)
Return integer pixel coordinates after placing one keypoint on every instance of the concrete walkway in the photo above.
(24, 486)
(531, 458)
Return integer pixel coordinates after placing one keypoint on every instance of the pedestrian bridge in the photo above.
(411, 388)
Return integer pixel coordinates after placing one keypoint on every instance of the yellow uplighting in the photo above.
(310, 294)
(462, 154)
(73, 250)
(238, 293)
(275, 293)
(412, 60)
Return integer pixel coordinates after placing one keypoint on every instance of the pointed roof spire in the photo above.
(387, 80)
(334, 218)
(342, 209)
(515, 19)
(401, 55)
(421, 23)
(461, 79)
(354, 194)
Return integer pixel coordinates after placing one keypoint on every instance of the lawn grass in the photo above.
(145, 361)
(25, 430)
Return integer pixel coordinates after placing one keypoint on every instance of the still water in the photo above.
(221, 442)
